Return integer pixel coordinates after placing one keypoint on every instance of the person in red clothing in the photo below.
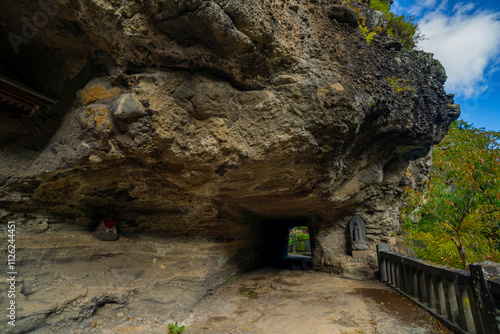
(106, 230)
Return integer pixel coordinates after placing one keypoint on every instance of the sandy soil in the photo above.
(279, 301)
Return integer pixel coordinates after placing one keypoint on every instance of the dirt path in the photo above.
(285, 301)
(276, 301)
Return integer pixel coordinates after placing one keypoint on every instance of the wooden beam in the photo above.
(18, 100)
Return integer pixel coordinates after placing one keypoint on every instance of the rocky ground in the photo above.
(65, 277)
(279, 301)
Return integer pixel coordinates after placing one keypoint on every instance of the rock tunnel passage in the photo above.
(277, 301)
(189, 118)
(283, 247)
(74, 283)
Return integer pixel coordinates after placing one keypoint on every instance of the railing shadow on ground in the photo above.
(467, 302)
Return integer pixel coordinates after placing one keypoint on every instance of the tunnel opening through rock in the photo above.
(278, 243)
(299, 242)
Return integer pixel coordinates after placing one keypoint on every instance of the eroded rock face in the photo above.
(223, 120)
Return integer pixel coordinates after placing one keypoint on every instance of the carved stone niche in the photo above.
(358, 237)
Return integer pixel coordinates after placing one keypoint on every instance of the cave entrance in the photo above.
(288, 244)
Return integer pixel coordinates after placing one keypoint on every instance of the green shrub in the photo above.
(366, 32)
(399, 85)
(401, 27)
(174, 329)
(247, 294)
(380, 5)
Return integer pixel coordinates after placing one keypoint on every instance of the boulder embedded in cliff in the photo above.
(342, 14)
(221, 121)
(376, 18)
(127, 106)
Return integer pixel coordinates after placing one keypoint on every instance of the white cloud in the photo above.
(467, 43)
(415, 8)
(461, 8)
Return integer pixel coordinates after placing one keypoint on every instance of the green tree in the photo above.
(455, 218)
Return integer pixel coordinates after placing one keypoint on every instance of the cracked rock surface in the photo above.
(218, 122)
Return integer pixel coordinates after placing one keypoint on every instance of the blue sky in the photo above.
(465, 37)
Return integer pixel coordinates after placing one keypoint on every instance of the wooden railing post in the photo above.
(392, 272)
(467, 302)
(481, 273)
(440, 298)
(423, 288)
(465, 312)
(432, 293)
(414, 279)
(382, 264)
(451, 301)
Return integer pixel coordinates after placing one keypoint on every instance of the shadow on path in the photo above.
(296, 262)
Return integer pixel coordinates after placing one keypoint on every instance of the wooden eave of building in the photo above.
(17, 100)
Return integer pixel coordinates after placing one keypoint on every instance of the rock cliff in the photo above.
(209, 127)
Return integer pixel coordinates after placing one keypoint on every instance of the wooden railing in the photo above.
(467, 302)
(300, 246)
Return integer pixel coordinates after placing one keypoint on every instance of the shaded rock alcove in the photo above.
(207, 127)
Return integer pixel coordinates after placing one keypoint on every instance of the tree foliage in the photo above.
(455, 218)
(298, 233)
